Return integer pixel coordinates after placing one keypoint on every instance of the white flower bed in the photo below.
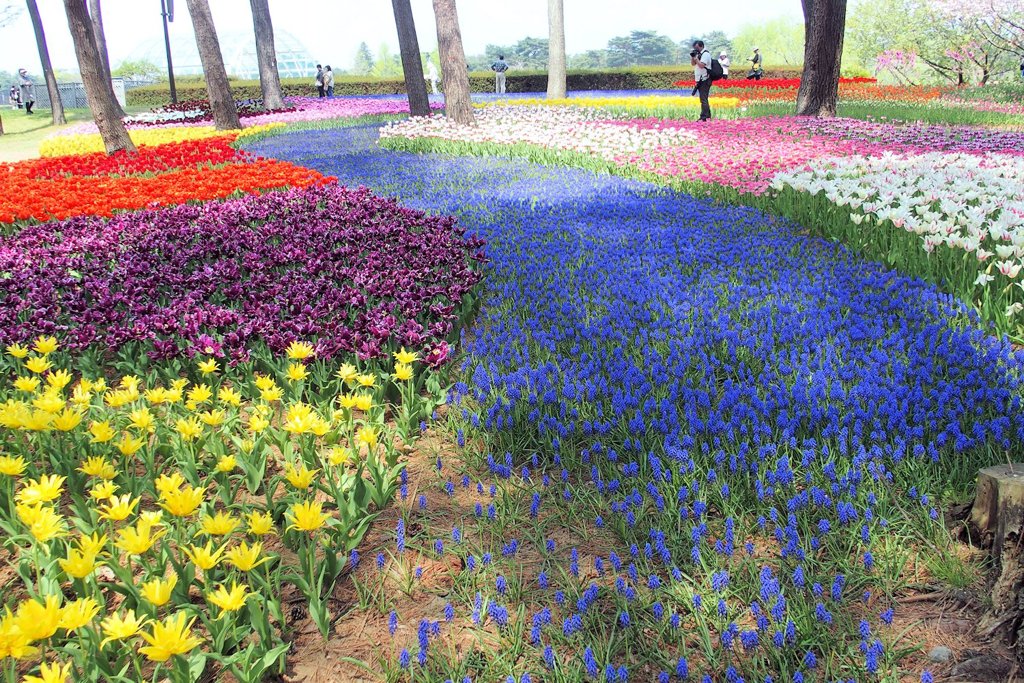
(967, 202)
(572, 129)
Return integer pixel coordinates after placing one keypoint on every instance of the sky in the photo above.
(332, 29)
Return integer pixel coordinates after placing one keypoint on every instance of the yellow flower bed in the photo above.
(87, 143)
(165, 494)
(641, 102)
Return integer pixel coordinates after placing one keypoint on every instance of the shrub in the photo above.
(638, 78)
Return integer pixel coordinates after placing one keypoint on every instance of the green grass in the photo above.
(23, 133)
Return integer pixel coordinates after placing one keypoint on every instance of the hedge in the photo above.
(640, 78)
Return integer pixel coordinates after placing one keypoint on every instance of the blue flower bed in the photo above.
(771, 422)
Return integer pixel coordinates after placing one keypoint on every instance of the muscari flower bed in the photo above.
(770, 423)
(355, 272)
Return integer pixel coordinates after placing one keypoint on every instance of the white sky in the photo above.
(332, 29)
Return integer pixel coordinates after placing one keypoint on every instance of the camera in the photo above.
(694, 53)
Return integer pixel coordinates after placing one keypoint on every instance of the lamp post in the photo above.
(167, 12)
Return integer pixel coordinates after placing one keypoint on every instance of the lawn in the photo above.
(23, 133)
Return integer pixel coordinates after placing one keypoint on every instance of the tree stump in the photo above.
(998, 514)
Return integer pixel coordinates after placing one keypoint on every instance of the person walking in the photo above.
(701, 61)
(28, 90)
(431, 75)
(499, 68)
(15, 97)
(723, 59)
(329, 81)
(320, 81)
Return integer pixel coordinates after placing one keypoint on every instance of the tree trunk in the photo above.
(101, 42)
(457, 104)
(556, 49)
(98, 91)
(824, 26)
(409, 47)
(56, 106)
(218, 88)
(997, 518)
(266, 55)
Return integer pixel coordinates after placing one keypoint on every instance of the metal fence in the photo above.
(72, 95)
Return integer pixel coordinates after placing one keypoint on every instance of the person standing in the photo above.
(755, 68)
(499, 68)
(329, 80)
(431, 75)
(319, 81)
(723, 59)
(701, 61)
(28, 90)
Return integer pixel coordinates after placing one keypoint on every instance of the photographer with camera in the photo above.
(701, 61)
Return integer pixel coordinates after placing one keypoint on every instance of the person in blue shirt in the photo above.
(499, 68)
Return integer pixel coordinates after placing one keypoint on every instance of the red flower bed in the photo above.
(176, 173)
(155, 159)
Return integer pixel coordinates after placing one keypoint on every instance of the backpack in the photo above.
(716, 72)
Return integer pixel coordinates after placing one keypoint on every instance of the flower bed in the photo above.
(665, 105)
(168, 528)
(573, 129)
(353, 271)
(754, 429)
(194, 112)
(97, 185)
(90, 142)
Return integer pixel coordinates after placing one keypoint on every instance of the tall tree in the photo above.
(556, 49)
(218, 88)
(363, 62)
(56, 106)
(98, 90)
(409, 46)
(824, 26)
(457, 105)
(96, 14)
(266, 55)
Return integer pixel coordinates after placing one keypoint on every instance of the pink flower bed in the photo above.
(745, 154)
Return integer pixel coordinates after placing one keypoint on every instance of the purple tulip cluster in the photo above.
(354, 272)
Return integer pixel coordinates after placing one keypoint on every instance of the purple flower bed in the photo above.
(925, 137)
(351, 270)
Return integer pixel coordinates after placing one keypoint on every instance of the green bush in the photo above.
(638, 78)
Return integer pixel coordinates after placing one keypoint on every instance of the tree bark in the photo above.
(824, 26)
(266, 55)
(457, 104)
(218, 88)
(101, 42)
(98, 90)
(56, 106)
(409, 47)
(556, 49)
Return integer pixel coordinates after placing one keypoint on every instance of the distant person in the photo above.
(756, 68)
(320, 92)
(1022, 68)
(723, 59)
(701, 61)
(431, 76)
(28, 90)
(15, 97)
(329, 81)
(499, 68)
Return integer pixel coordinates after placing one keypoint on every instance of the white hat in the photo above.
(722, 53)
(756, 49)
